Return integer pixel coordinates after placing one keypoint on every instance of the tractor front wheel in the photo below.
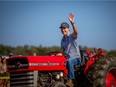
(58, 84)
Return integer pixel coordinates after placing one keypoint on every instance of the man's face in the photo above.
(65, 31)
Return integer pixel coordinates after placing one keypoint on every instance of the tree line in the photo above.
(38, 50)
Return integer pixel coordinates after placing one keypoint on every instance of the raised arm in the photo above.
(75, 29)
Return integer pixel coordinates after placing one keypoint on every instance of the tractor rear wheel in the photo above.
(103, 73)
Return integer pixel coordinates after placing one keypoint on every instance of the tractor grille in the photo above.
(23, 79)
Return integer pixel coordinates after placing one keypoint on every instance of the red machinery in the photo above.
(96, 70)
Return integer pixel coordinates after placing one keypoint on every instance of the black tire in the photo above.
(99, 71)
(58, 84)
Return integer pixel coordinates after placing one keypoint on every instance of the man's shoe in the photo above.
(69, 83)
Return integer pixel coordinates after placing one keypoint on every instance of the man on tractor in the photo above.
(70, 47)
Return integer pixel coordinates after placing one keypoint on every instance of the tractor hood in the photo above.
(36, 63)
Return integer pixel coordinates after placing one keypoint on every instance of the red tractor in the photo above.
(96, 70)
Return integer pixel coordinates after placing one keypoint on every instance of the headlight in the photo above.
(57, 76)
(61, 74)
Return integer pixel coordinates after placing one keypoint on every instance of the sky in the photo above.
(37, 22)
